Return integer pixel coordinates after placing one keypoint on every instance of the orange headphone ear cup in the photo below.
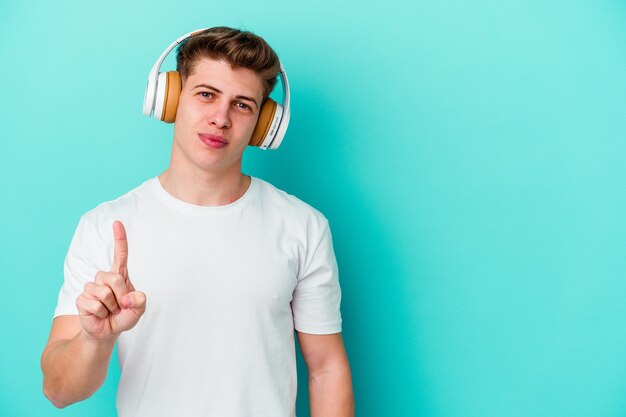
(172, 94)
(263, 124)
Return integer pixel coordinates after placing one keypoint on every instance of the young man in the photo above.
(202, 274)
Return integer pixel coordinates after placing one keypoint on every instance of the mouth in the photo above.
(214, 141)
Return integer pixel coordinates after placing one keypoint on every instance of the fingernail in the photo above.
(127, 301)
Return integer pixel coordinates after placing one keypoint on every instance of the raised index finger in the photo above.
(120, 250)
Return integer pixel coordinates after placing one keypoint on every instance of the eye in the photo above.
(205, 94)
(243, 106)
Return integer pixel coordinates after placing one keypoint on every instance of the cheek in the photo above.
(186, 108)
(181, 113)
(184, 125)
(252, 124)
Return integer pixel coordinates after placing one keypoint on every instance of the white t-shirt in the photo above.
(225, 288)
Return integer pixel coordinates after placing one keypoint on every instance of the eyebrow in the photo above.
(210, 87)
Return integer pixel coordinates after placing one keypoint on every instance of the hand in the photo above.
(110, 305)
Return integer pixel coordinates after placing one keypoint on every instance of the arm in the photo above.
(76, 357)
(74, 364)
(330, 382)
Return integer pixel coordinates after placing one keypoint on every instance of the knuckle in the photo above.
(100, 276)
(117, 279)
(93, 289)
(80, 302)
(89, 289)
(101, 311)
(100, 292)
(87, 305)
(106, 295)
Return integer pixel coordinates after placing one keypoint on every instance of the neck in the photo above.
(205, 188)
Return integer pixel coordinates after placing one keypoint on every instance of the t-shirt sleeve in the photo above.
(317, 296)
(85, 257)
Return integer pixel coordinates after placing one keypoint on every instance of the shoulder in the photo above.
(120, 208)
(289, 208)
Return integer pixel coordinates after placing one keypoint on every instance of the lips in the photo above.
(214, 141)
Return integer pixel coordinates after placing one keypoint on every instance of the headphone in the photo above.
(163, 92)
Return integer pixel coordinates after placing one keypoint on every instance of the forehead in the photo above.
(219, 74)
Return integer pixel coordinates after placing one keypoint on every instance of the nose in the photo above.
(220, 115)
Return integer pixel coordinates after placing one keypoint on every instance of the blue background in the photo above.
(468, 154)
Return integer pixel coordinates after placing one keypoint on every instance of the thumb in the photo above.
(135, 300)
(133, 306)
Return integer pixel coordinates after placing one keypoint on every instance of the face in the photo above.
(217, 112)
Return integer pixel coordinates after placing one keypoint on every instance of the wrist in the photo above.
(96, 342)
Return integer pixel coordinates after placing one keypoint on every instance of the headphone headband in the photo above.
(149, 99)
(280, 120)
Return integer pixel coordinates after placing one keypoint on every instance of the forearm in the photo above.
(74, 369)
(330, 392)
